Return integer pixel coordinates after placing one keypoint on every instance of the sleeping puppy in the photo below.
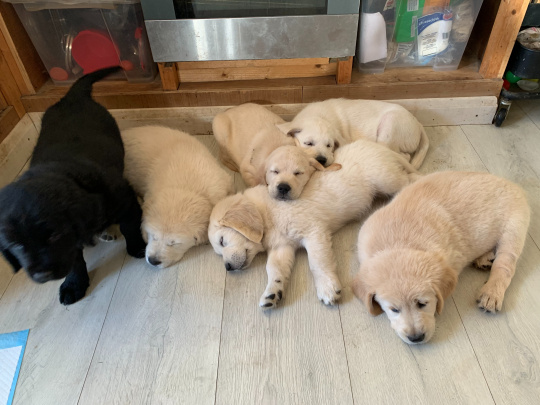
(180, 182)
(247, 134)
(251, 222)
(323, 126)
(73, 190)
(288, 171)
(412, 251)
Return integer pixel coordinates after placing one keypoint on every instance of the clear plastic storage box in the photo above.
(402, 33)
(74, 37)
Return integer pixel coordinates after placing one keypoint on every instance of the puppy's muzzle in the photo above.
(283, 190)
(321, 159)
(154, 261)
(418, 338)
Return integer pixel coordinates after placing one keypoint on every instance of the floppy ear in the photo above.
(333, 167)
(244, 218)
(288, 129)
(444, 286)
(11, 260)
(366, 294)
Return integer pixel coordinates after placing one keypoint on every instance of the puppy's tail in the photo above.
(83, 86)
(423, 147)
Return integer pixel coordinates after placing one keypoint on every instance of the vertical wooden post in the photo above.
(169, 75)
(502, 38)
(344, 71)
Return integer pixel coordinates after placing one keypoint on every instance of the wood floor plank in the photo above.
(293, 354)
(507, 343)
(384, 369)
(62, 339)
(512, 151)
(160, 341)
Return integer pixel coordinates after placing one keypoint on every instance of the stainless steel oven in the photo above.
(205, 30)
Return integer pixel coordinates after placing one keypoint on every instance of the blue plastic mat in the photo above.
(12, 347)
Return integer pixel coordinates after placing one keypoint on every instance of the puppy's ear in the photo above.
(244, 218)
(11, 260)
(367, 295)
(336, 145)
(444, 286)
(288, 129)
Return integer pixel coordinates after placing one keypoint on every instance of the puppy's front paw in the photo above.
(328, 291)
(136, 249)
(485, 261)
(271, 297)
(71, 293)
(490, 297)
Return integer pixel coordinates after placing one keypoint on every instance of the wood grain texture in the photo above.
(8, 85)
(344, 71)
(16, 149)
(502, 38)
(160, 343)
(62, 339)
(8, 119)
(169, 75)
(250, 63)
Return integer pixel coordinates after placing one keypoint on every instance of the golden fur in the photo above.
(247, 223)
(412, 250)
(180, 182)
(323, 126)
(247, 134)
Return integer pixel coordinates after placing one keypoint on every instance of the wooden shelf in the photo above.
(398, 83)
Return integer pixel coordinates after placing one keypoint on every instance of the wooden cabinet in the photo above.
(479, 74)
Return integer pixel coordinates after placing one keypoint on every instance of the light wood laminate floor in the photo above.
(194, 334)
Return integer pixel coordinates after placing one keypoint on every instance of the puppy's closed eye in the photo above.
(421, 304)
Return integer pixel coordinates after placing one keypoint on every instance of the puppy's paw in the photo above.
(136, 248)
(271, 297)
(485, 261)
(490, 297)
(71, 293)
(110, 234)
(328, 291)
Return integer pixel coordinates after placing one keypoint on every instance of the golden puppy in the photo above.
(323, 126)
(247, 223)
(247, 134)
(412, 250)
(288, 169)
(180, 182)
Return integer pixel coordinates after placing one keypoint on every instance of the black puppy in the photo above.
(73, 190)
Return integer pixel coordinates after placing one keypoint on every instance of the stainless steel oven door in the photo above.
(264, 29)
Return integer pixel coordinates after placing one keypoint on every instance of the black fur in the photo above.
(73, 190)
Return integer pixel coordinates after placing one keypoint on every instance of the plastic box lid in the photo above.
(45, 4)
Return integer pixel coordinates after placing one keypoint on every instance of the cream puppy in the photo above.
(251, 222)
(412, 251)
(247, 134)
(288, 170)
(180, 182)
(323, 126)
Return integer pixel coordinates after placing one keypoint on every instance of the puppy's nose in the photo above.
(42, 277)
(153, 261)
(228, 266)
(321, 159)
(417, 338)
(283, 188)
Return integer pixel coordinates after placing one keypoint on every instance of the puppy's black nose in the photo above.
(228, 266)
(154, 261)
(417, 338)
(42, 277)
(321, 160)
(283, 188)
